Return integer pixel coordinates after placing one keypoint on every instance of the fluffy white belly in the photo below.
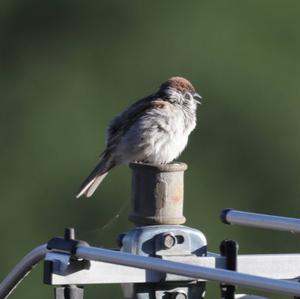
(155, 139)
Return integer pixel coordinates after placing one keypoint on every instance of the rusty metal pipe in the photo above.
(157, 193)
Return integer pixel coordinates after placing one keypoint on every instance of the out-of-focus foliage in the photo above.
(67, 67)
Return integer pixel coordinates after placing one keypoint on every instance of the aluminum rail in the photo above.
(156, 264)
(275, 266)
(229, 216)
(18, 273)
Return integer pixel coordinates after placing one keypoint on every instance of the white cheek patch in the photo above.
(175, 96)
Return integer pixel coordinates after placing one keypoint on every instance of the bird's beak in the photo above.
(197, 96)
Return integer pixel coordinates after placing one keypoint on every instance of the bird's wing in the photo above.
(116, 130)
(122, 122)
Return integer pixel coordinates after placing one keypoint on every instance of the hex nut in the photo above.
(168, 240)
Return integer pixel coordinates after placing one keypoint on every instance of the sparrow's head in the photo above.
(180, 90)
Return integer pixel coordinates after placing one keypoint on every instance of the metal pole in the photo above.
(69, 292)
(156, 264)
(157, 210)
(157, 193)
(229, 216)
(18, 273)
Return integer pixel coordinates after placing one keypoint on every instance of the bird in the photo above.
(153, 130)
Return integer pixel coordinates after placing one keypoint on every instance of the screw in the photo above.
(168, 240)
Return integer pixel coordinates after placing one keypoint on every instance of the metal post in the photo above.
(157, 211)
(69, 292)
(229, 249)
(157, 193)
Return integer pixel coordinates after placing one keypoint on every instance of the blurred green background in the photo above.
(68, 67)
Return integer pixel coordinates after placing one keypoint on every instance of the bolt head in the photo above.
(168, 240)
(179, 295)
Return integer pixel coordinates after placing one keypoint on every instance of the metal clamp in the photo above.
(62, 259)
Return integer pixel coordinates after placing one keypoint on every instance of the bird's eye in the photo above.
(187, 96)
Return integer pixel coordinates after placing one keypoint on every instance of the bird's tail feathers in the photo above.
(90, 184)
